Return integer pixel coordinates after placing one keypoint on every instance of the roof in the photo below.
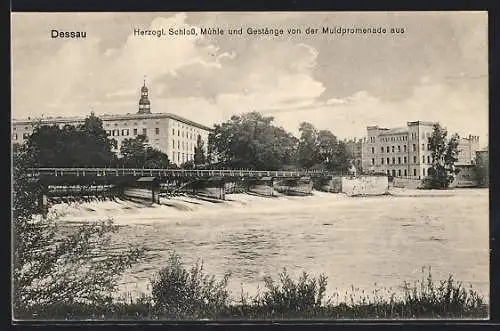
(107, 117)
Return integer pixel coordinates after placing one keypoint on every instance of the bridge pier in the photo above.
(262, 186)
(214, 187)
(42, 202)
(295, 186)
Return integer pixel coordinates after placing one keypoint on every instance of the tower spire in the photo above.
(144, 103)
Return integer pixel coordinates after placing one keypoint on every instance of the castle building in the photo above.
(405, 151)
(172, 134)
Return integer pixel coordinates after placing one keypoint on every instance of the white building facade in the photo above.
(173, 135)
(405, 151)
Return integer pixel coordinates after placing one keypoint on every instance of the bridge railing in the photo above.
(173, 172)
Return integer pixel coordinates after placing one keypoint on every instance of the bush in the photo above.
(443, 298)
(303, 297)
(179, 293)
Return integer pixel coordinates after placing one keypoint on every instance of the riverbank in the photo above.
(182, 293)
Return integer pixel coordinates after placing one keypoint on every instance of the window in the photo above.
(388, 172)
(173, 132)
(387, 149)
(399, 172)
(373, 161)
(125, 132)
(135, 132)
(173, 143)
(157, 130)
(373, 150)
(404, 148)
(415, 172)
(144, 131)
(388, 161)
(108, 132)
(423, 158)
(428, 147)
(399, 149)
(414, 159)
(382, 161)
(423, 171)
(392, 149)
(393, 160)
(423, 147)
(178, 156)
(404, 160)
(406, 173)
(428, 159)
(182, 134)
(116, 124)
(178, 133)
(15, 136)
(178, 144)
(381, 149)
(393, 173)
(414, 147)
(399, 160)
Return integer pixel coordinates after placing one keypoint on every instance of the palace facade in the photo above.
(173, 135)
(405, 151)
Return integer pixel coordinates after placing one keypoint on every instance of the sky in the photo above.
(437, 70)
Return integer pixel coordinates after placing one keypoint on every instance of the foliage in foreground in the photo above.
(191, 294)
(53, 268)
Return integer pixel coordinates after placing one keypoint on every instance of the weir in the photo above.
(146, 185)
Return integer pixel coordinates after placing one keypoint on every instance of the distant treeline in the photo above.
(249, 141)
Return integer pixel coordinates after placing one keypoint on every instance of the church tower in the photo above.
(144, 103)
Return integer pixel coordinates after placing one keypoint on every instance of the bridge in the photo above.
(149, 184)
(173, 173)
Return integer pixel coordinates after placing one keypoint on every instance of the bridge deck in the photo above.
(173, 172)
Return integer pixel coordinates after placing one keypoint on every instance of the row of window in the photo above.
(126, 123)
(392, 149)
(414, 136)
(180, 158)
(424, 158)
(189, 135)
(397, 138)
(400, 173)
(126, 132)
(185, 145)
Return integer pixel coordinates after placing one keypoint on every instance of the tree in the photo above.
(137, 154)
(444, 153)
(342, 159)
(482, 168)
(70, 146)
(251, 141)
(308, 153)
(51, 266)
(199, 152)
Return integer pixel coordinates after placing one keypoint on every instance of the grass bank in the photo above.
(181, 293)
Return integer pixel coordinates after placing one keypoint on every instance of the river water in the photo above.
(357, 242)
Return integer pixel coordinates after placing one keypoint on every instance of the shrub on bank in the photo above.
(179, 293)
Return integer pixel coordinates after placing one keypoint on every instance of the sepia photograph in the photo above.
(221, 166)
